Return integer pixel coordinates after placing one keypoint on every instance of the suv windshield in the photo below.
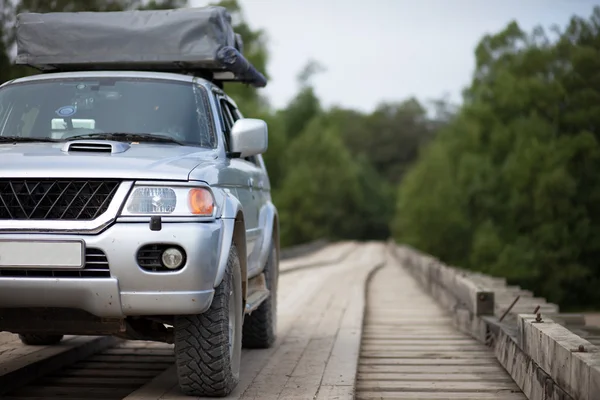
(59, 109)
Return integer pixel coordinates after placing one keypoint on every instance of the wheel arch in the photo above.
(239, 238)
(269, 219)
(234, 232)
(276, 239)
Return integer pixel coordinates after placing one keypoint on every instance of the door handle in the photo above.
(251, 184)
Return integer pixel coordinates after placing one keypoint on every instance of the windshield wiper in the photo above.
(134, 137)
(15, 139)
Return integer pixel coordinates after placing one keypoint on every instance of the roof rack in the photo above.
(199, 41)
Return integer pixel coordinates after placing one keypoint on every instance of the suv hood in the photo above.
(152, 161)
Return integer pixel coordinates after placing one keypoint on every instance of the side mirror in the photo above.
(249, 137)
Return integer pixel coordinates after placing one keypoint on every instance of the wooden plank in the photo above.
(76, 372)
(431, 338)
(67, 392)
(94, 383)
(150, 359)
(431, 376)
(113, 381)
(422, 354)
(484, 369)
(140, 352)
(272, 378)
(420, 362)
(473, 347)
(307, 338)
(16, 372)
(426, 361)
(157, 387)
(342, 366)
(41, 398)
(10, 351)
(443, 386)
(305, 379)
(268, 383)
(391, 341)
(379, 395)
(329, 392)
(123, 366)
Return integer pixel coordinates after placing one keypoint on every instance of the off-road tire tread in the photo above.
(259, 330)
(201, 344)
(32, 339)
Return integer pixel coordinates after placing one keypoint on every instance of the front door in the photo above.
(246, 176)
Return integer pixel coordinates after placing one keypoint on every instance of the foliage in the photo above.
(510, 186)
(319, 161)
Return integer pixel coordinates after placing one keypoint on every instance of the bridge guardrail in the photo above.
(546, 359)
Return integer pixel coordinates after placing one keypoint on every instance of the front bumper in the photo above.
(129, 290)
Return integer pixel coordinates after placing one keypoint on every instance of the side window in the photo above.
(227, 121)
(233, 114)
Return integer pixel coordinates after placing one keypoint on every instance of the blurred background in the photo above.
(467, 129)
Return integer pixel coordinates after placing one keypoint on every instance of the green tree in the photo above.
(274, 157)
(305, 105)
(320, 195)
(510, 186)
(286, 125)
(389, 137)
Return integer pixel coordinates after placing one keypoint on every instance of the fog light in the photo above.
(172, 258)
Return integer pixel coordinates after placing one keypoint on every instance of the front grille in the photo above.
(55, 199)
(96, 266)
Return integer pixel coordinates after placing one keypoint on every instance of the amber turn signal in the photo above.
(201, 202)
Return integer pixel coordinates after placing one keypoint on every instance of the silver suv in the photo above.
(137, 204)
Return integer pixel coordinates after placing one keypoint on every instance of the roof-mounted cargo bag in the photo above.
(190, 40)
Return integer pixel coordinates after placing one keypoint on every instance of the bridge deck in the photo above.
(410, 350)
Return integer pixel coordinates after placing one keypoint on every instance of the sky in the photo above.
(387, 50)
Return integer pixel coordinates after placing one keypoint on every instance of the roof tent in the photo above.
(199, 41)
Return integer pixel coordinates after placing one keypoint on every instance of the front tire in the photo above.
(208, 345)
(31, 339)
(260, 327)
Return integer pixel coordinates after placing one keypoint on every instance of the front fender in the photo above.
(233, 229)
(258, 259)
(231, 206)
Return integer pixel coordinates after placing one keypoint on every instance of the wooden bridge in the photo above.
(356, 320)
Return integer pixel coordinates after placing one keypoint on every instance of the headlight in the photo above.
(175, 201)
